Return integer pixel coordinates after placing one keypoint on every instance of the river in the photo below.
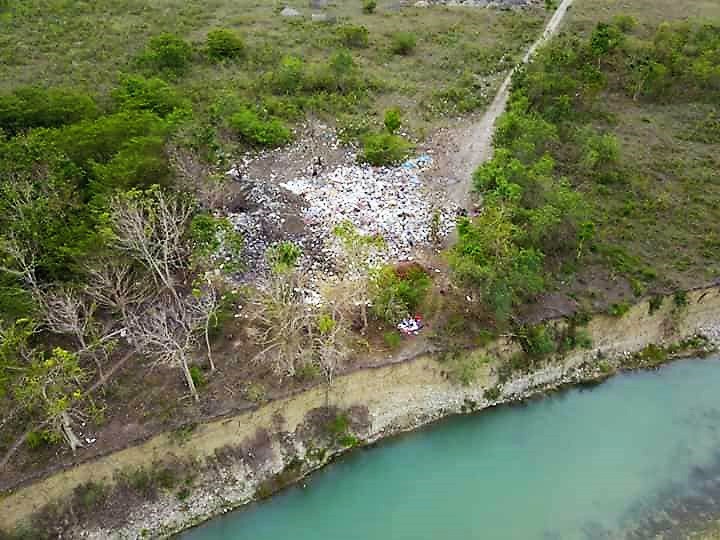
(628, 458)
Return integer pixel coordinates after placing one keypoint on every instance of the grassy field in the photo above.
(663, 220)
(459, 55)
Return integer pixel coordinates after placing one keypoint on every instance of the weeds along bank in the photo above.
(177, 479)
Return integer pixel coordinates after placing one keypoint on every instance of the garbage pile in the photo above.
(387, 201)
(411, 326)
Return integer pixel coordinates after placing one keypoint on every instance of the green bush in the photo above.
(352, 35)
(155, 95)
(198, 377)
(395, 296)
(392, 339)
(384, 149)
(403, 43)
(619, 309)
(369, 6)
(140, 163)
(536, 341)
(656, 303)
(168, 54)
(101, 139)
(90, 496)
(223, 44)
(32, 107)
(289, 77)
(259, 131)
(492, 394)
(392, 120)
(37, 440)
(680, 299)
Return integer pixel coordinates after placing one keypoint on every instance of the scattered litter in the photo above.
(411, 325)
(299, 193)
(90, 440)
(386, 201)
(418, 162)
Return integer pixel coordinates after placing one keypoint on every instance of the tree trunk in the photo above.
(189, 379)
(69, 434)
(207, 344)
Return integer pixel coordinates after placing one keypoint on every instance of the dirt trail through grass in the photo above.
(476, 139)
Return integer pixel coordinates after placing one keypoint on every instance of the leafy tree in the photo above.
(487, 256)
(215, 243)
(395, 296)
(31, 107)
(523, 132)
(51, 388)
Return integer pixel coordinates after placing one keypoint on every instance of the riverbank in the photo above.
(239, 459)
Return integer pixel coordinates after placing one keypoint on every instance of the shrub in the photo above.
(284, 256)
(625, 23)
(198, 377)
(619, 309)
(289, 76)
(396, 296)
(656, 303)
(222, 44)
(90, 495)
(32, 107)
(255, 392)
(259, 131)
(352, 35)
(392, 120)
(403, 43)
(141, 163)
(492, 394)
(40, 439)
(384, 149)
(680, 299)
(392, 339)
(167, 53)
(155, 95)
(536, 341)
(369, 6)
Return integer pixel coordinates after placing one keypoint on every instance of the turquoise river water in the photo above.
(634, 457)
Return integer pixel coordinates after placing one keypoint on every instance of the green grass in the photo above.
(89, 45)
(665, 214)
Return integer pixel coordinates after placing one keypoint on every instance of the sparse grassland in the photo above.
(659, 226)
(457, 56)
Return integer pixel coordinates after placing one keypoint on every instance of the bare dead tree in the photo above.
(113, 284)
(293, 332)
(206, 306)
(151, 228)
(195, 176)
(280, 318)
(170, 330)
(20, 260)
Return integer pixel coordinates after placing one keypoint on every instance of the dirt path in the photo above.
(476, 139)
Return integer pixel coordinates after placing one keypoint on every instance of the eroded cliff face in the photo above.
(251, 455)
